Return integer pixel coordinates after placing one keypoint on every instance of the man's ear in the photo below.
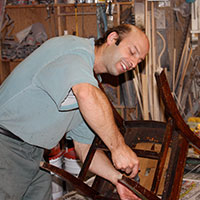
(112, 38)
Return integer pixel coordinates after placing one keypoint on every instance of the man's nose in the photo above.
(135, 62)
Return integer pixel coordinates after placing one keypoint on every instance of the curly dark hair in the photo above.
(122, 30)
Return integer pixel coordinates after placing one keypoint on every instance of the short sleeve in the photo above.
(58, 77)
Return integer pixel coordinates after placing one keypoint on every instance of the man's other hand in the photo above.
(125, 193)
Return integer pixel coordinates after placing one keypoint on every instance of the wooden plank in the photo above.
(173, 70)
(154, 67)
(144, 78)
(4, 70)
(179, 170)
(183, 76)
(138, 91)
(150, 68)
(181, 61)
(163, 156)
(118, 14)
(145, 97)
(58, 9)
(2, 11)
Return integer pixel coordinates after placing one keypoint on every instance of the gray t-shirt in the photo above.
(36, 100)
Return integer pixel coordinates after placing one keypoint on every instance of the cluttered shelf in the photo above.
(26, 6)
(54, 19)
(10, 6)
(63, 5)
(92, 4)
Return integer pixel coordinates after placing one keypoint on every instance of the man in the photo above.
(53, 92)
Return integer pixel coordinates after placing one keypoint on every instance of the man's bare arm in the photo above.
(102, 166)
(97, 112)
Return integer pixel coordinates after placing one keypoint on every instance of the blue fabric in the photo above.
(31, 98)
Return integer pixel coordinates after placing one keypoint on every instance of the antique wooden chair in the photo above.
(173, 136)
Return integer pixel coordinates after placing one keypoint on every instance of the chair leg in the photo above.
(162, 156)
(179, 169)
(88, 159)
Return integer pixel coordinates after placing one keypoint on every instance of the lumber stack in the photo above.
(145, 83)
(183, 74)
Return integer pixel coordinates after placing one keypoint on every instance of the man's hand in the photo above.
(125, 193)
(125, 159)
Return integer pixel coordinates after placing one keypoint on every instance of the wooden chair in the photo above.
(173, 137)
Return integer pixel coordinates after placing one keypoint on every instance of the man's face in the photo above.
(125, 56)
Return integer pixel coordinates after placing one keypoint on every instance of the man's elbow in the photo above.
(83, 91)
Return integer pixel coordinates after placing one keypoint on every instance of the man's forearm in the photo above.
(100, 164)
(97, 112)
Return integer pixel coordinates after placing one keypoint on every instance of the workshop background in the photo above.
(173, 28)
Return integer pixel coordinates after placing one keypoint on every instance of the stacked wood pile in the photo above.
(183, 70)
